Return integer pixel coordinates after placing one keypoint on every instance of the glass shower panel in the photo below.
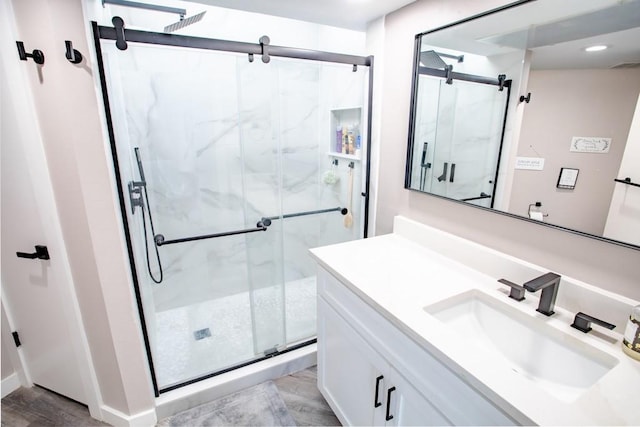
(260, 129)
(476, 140)
(309, 93)
(458, 136)
(181, 108)
(444, 133)
(425, 133)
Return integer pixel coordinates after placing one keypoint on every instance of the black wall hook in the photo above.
(37, 55)
(264, 43)
(72, 54)
(525, 98)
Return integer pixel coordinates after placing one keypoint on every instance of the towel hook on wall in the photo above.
(72, 54)
(37, 55)
(525, 98)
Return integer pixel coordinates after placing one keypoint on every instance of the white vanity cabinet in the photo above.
(360, 382)
(371, 373)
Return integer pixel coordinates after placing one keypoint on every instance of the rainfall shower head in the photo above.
(431, 59)
(184, 22)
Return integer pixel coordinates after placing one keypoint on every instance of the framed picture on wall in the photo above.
(567, 178)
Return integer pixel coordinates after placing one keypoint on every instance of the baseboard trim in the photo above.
(117, 418)
(10, 384)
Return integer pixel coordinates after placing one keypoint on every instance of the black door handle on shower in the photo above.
(41, 253)
(444, 172)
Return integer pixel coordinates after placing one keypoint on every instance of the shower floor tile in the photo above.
(179, 357)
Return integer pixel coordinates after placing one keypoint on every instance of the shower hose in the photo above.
(146, 240)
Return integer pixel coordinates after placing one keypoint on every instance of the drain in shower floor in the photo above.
(201, 334)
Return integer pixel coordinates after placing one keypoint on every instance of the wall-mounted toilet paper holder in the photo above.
(536, 214)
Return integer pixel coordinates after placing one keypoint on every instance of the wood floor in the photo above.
(37, 407)
(304, 401)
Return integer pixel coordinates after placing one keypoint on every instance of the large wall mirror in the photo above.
(533, 110)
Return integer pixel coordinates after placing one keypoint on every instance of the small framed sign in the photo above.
(567, 178)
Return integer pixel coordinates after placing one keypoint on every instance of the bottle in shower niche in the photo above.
(358, 150)
(351, 141)
(345, 141)
(338, 144)
(631, 340)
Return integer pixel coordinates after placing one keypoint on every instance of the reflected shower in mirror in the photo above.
(506, 101)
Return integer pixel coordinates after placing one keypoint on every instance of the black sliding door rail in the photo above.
(627, 181)
(160, 241)
(435, 72)
(166, 39)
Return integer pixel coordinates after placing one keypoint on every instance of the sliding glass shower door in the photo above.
(224, 163)
(458, 130)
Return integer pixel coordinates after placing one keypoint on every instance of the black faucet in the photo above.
(549, 283)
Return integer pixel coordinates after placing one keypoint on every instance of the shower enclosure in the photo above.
(228, 171)
(457, 133)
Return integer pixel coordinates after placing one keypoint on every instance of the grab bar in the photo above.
(483, 195)
(160, 241)
(260, 226)
(266, 221)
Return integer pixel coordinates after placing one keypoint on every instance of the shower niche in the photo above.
(234, 155)
(346, 133)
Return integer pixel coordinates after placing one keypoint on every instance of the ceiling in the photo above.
(351, 14)
(555, 32)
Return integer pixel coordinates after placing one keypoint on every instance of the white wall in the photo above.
(564, 104)
(68, 113)
(623, 221)
(609, 266)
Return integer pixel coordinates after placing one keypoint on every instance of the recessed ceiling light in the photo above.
(596, 48)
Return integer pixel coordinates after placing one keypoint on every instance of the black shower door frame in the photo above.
(122, 36)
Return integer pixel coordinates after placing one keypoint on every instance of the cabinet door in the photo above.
(348, 371)
(409, 407)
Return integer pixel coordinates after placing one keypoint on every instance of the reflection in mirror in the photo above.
(504, 102)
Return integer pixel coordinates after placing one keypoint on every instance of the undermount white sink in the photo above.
(555, 361)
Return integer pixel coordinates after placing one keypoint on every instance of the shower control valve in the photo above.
(135, 194)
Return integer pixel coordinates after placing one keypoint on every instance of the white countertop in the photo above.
(398, 278)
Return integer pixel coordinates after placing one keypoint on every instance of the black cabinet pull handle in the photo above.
(41, 253)
(389, 416)
(453, 172)
(377, 404)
